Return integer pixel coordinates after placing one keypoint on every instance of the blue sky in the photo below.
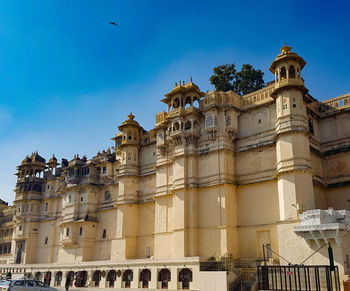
(68, 78)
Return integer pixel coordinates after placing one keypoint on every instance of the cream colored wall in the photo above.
(335, 127)
(147, 155)
(163, 227)
(339, 198)
(215, 235)
(336, 166)
(145, 229)
(253, 199)
(321, 201)
(248, 122)
(43, 252)
(255, 161)
(253, 220)
(107, 219)
(147, 185)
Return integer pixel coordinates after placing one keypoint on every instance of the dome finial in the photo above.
(130, 116)
(285, 48)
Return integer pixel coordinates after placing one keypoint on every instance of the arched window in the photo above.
(291, 72)
(164, 276)
(176, 126)
(38, 276)
(185, 277)
(96, 278)
(58, 278)
(188, 102)
(195, 103)
(176, 103)
(127, 278)
(47, 278)
(145, 277)
(107, 195)
(70, 278)
(111, 278)
(188, 125)
(283, 73)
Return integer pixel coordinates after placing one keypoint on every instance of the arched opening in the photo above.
(188, 125)
(298, 73)
(164, 276)
(127, 278)
(96, 278)
(107, 196)
(185, 277)
(176, 126)
(58, 278)
(47, 278)
(70, 279)
(145, 277)
(38, 276)
(195, 125)
(111, 278)
(176, 103)
(81, 279)
(283, 73)
(195, 102)
(291, 72)
(188, 102)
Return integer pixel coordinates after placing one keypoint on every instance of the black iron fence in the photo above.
(298, 277)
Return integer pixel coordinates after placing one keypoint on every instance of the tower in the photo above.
(30, 178)
(127, 147)
(294, 175)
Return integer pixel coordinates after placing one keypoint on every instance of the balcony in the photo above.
(289, 82)
(69, 242)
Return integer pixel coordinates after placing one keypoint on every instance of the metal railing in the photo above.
(298, 277)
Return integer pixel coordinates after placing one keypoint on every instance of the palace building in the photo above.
(219, 176)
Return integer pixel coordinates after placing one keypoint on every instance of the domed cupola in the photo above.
(287, 68)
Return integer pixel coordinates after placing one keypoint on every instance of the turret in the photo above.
(289, 91)
(294, 174)
(128, 140)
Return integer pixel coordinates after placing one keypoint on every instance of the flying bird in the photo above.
(113, 23)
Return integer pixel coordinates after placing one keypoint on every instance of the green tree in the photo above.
(223, 77)
(247, 80)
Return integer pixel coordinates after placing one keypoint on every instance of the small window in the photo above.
(81, 231)
(294, 105)
(311, 126)
(70, 198)
(67, 231)
(154, 153)
(46, 240)
(259, 121)
(209, 121)
(107, 195)
(104, 170)
(81, 198)
(20, 228)
(48, 186)
(228, 120)
(104, 233)
(46, 206)
(269, 252)
(148, 252)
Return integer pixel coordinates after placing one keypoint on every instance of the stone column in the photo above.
(154, 278)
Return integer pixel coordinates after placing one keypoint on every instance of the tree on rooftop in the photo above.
(223, 77)
(247, 80)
